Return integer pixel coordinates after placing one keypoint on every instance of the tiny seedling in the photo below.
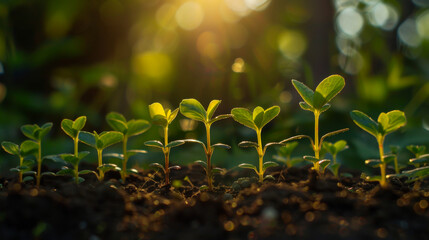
(36, 134)
(417, 150)
(284, 154)
(420, 156)
(72, 129)
(256, 120)
(163, 117)
(100, 142)
(128, 128)
(386, 123)
(193, 109)
(394, 150)
(334, 149)
(26, 148)
(318, 102)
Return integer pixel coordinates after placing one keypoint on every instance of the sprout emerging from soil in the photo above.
(163, 117)
(256, 120)
(386, 123)
(128, 129)
(334, 149)
(284, 154)
(100, 142)
(27, 148)
(317, 102)
(36, 134)
(193, 109)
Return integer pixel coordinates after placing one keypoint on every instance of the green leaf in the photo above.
(312, 159)
(27, 179)
(268, 165)
(421, 159)
(270, 114)
(269, 177)
(220, 117)
(365, 122)
(212, 108)
(70, 158)
(334, 168)
(340, 145)
(134, 152)
(325, 108)
(217, 170)
(258, 116)
(417, 150)
(243, 116)
(306, 93)
(66, 171)
(306, 106)
(172, 115)
(108, 167)
(389, 158)
(249, 166)
(332, 134)
(110, 138)
(175, 143)
(157, 114)
(29, 147)
(196, 141)
(202, 163)
(154, 143)
(396, 119)
(30, 173)
(87, 138)
(15, 170)
(54, 158)
(375, 163)
(327, 89)
(67, 127)
(271, 144)
(79, 123)
(119, 156)
(117, 122)
(132, 170)
(417, 173)
(246, 144)
(286, 150)
(82, 154)
(157, 165)
(29, 131)
(221, 145)
(85, 172)
(136, 127)
(324, 163)
(175, 167)
(44, 130)
(48, 174)
(11, 148)
(373, 178)
(28, 162)
(193, 109)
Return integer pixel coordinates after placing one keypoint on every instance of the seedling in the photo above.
(394, 152)
(386, 123)
(318, 102)
(256, 120)
(334, 149)
(36, 134)
(284, 154)
(100, 142)
(130, 128)
(193, 109)
(419, 154)
(74, 160)
(163, 117)
(26, 148)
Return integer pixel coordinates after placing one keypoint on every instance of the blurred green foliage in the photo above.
(63, 59)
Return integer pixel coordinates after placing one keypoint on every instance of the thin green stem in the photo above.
(209, 157)
(21, 160)
(316, 139)
(396, 164)
(100, 162)
(260, 155)
(166, 156)
(39, 165)
(125, 160)
(76, 154)
(383, 182)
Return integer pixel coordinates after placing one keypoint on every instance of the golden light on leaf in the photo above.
(189, 15)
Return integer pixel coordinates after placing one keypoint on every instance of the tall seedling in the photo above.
(128, 128)
(164, 117)
(36, 134)
(318, 102)
(26, 148)
(386, 123)
(193, 109)
(100, 142)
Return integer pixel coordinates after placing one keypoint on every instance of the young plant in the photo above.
(284, 153)
(163, 117)
(128, 128)
(334, 149)
(100, 142)
(394, 153)
(386, 123)
(26, 148)
(36, 134)
(318, 102)
(419, 155)
(72, 129)
(256, 120)
(193, 109)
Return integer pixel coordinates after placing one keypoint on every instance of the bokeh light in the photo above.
(152, 65)
(408, 33)
(423, 24)
(383, 15)
(350, 21)
(292, 44)
(189, 15)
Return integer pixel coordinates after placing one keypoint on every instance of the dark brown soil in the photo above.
(299, 204)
